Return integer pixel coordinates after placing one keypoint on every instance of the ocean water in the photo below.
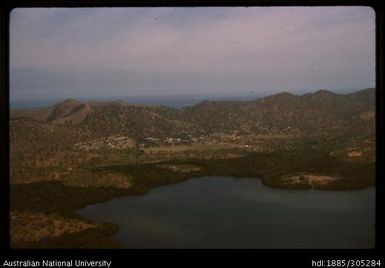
(171, 101)
(226, 212)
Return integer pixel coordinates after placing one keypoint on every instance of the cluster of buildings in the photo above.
(123, 142)
(182, 139)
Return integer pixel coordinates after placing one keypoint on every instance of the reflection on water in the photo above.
(225, 212)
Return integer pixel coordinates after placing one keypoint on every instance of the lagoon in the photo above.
(226, 212)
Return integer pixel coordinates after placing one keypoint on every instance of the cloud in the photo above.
(170, 50)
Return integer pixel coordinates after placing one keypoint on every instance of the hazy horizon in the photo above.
(105, 53)
(175, 101)
(209, 96)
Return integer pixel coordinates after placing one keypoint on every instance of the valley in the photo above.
(72, 154)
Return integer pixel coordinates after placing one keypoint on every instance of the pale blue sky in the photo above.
(102, 52)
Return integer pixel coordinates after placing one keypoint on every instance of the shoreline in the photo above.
(105, 231)
(61, 197)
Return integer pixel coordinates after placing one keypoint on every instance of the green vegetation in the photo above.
(56, 197)
(74, 154)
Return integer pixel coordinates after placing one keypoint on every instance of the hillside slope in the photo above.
(321, 111)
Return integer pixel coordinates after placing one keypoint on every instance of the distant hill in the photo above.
(69, 110)
(321, 111)
(343, 106)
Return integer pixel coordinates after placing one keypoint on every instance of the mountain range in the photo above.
(322, 111)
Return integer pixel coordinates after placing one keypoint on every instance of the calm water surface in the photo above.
(225, 212)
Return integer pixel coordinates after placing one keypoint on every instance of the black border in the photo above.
(125, 257)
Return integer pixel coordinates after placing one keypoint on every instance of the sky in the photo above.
(107, 52)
